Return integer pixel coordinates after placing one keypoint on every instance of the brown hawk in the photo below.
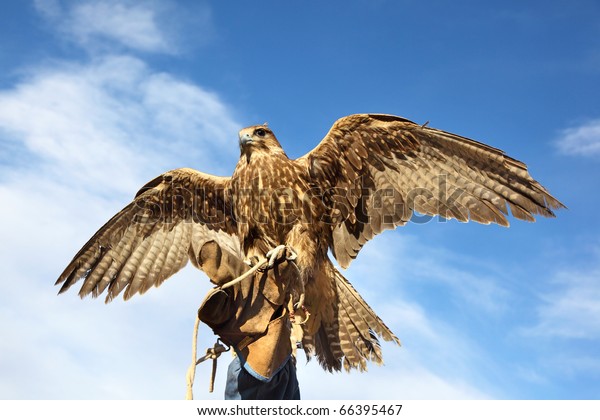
(369, 174)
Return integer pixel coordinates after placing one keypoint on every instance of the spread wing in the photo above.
(154, 236)
(375, 170)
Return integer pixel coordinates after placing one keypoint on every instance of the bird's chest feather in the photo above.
(268, 195)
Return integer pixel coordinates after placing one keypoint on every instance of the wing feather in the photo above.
(399, 167)
(154, 236)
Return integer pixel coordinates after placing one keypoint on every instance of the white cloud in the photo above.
(111, 25)
(63, 117)
(63, 348)
(573, 310)
(582, 140)
(403, 377)
(134, 25)
(89, 125)
(50, 9)
(532, 375)
(480, 291)
(566, 320)
(572, 366)
(477, 285)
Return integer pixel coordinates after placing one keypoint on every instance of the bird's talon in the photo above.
(300, 303)
(304, 318)
(292, 255)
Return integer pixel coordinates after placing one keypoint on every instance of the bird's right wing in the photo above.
(376, 170)
(153, 237)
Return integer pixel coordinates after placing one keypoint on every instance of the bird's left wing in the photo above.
(153, 237)
(373, 171)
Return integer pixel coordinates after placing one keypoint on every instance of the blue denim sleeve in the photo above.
(241, 385)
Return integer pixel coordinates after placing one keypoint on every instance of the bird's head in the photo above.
(257, 138)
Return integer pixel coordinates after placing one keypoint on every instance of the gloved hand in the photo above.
(252, 315)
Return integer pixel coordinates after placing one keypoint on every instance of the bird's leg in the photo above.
(296, 282)
(297, 294)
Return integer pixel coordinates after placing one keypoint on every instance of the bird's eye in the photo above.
(260, 132)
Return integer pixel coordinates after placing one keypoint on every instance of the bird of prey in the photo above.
(368, 174)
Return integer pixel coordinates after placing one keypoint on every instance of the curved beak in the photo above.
(245, 139)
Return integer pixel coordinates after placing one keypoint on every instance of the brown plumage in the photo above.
(368, 174)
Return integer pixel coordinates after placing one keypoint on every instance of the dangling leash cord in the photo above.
(215, 351)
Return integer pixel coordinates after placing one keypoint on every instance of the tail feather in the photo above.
(357, 303)
(349, 337)
(327, 348)
(351, 343)
(362, 337)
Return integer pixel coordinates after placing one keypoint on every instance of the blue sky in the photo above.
(99, 96)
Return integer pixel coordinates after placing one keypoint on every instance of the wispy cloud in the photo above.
(403, 377)
(578, 365)
(134, 25)
(101, 25)
(572, 311)
(467, 281)
(81, 122)
(581, 140)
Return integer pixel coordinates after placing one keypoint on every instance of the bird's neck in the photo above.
(259, 152)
